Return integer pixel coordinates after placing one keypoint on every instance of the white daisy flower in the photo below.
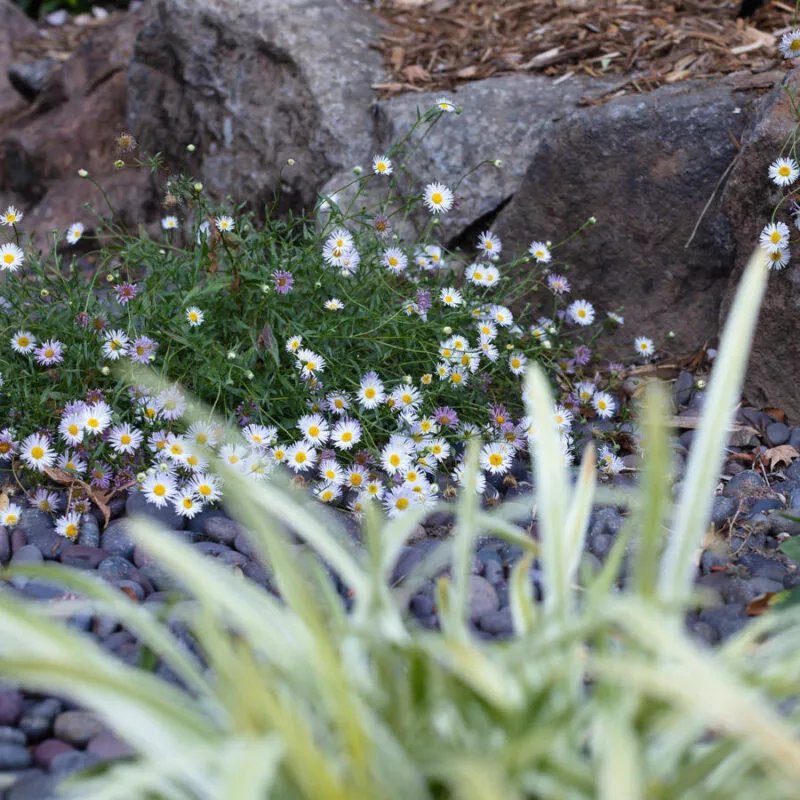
(233, 454)
(395, 260)
(615, 318)
(293, 344)
(75, 232)
(476, 274)
(406, 396)
(501, 315)
(201, 433)
(778, 258)
(374, 489)
(585, 391)
(11, 257)
(356, 476)
(491, 275)
(775, 235)
(171, 403)
(395, 457)
(488, 349)
(790, 44)
(314, 428)
(125, 439)
(439, 449)
(334, 304)
(159, 488)
(96, 418)
(562, 417)
(451, 297)
(345, 434)
(541, 252)
(478, 484)
(11, 216)
(516, 362)
(23, 342)
(260, 436)
(337, 402)
(10, 516)
(176, 448)
(443, 104)
(382, 165)
(487, 330)
(187, 503)
(207, 486)
(643, 346)
(68, 526)
(604, 404)
(327, 493)
(398, 500)
(301, 457)
(457, 377)
(489, 243)
(581, 312)
(44, 500)
(36, 452)
(71, 428)
(115, 344)
(495, 457)
(783, 171)
(438, 198)
(371, 392)
(331, 472)
(224, 223)
(310, 362)
(71, 462)
(194, 316)
(169, 223)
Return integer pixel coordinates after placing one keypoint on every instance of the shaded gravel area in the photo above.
(42, 739)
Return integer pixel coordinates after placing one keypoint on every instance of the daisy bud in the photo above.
(83, 173)
(198, 187)
(110, 278)
(249, 375)
(498, 162)
(141, 476)
(290, 161)
(671, 335)
(551, 329)
(318, 285)
(190, 147)
(44, 293)
(700, 383)
(447, 330)
(549, 243)
(509, 347)
(105, 370)
(163, 467)
(265, 288)
(151, 357)
(408, 379)
(231, 355)
(229, 381)
(119, 163)
(357, 170)
(546, 345)
(592, 220)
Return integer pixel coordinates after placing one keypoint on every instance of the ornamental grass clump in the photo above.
(600, 694)
(353, 356)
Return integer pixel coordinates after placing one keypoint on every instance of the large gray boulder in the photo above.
(645, 166)
(15, 26)
(502, 118)
(253, 83)
(748, 200)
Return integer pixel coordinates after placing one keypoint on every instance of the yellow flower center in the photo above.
(193, 460)
(456, 377)
(159, 490)
(369, 393)
(401, 503)
(71, 531)
(300, 457)
(37, 452)
(394, 460)
(313, 430)
(8, 258)
(23, 341)
(495, 459)
(347, 436)
(784, 171)
(188, 502)
(233, 459)
(516, 363)
(125, 439)
(436, 198)
(204, 489)
(355, 479)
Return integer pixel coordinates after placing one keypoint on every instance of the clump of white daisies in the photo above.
(359, 362)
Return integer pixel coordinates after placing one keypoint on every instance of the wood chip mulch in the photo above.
(435, 45)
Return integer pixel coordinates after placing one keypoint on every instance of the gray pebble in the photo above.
(12, 706)
(117, 541)
(221, 529)
(80, 556)
(5, 547)
(682, 388)
(493, 572)
(77, 728)
(9, 735)
(483, 598)
(71, 761)
(37, 786)
(498, 623)
(14, 756)
(89, 534)
(778, 433)
(137, 504)
(742, 484)
(421, 606)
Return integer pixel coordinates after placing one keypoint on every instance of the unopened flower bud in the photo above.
(198, 187)
(83, 173)
(141, 477)
(290, 161)
(265, 288)
(671, 335)
(447, 330)
(190, 147)
(546, 345)
(105, 370)
(250, 375)
(231, 355)
(592, 220)
(498, 162)
(44, 293)
(408, 379)
(119, 163)
(509, 347)
(700, 383)
(357, 170)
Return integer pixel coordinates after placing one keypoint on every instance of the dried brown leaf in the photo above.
(782, 454)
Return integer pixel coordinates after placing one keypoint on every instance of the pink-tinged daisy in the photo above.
(581, 312)
(774, 235)
(36, 452)
(115, 344)
(194, 316)
(8, 446)
(159, 488)
(783, 171)
(75, 232)
(438, 198)
(125, 439)
(557, 284)
(345, 434)
(169, 223)
(171, 403)
(10, 516)
(490, 243)
(44, 500)
(395, 260)
(11, 216)
(282, 281)
(49, 352)
(604, 404)
(125, 292)
(23, 342)
(100, 475)
(141, 349)
(643, 346)
(516, 362)
(541, 252)
(224, 223)
(11, 257)
(382, 165)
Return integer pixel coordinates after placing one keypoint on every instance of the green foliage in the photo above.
(601, 694)
(39, 8)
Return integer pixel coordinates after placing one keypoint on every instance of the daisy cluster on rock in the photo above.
(358, 361)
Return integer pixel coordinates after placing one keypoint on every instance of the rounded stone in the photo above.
(14, 756)
(221, 529)
(28, 554)
(498, 623)
(37, 721)
(77, 728)
(211, 548)
(46, 751)
(117, 541)
(12, 706)
(107, 746)
(742, 484)
(233, 558)
(116, 567)
(421, 606)
(80, 556)
(71, 761)
(483, 598)
(493, 572)
(89, 534)
(35, 786)
(722, 509)
(9, 735)
(5, 547)
(778, 433)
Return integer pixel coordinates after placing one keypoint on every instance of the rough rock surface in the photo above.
(252, 84)
(71, 125)
(749, 199)
(15, 26)
(644, 166)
